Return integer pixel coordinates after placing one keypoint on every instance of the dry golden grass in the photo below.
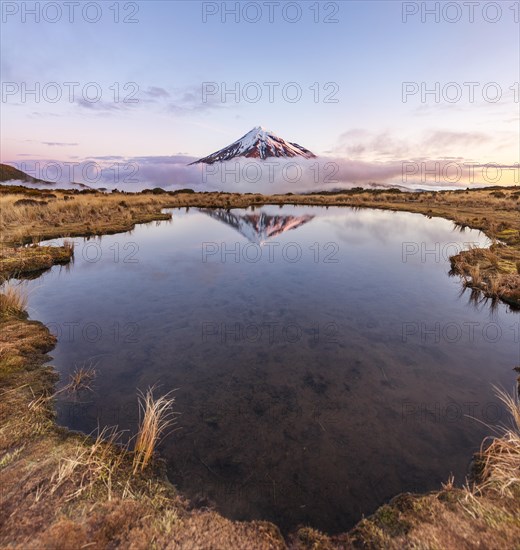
(13, 299)
(494, 286)
(500, 460)
(65, 214)
(68, 245)
(17, 262)
(155, 417)
(492, 271)
(89, 462)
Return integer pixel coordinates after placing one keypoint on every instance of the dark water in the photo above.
(317, 375)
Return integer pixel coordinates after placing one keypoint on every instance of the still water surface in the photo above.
(323, 359)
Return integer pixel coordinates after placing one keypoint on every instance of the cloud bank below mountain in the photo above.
(268, 176)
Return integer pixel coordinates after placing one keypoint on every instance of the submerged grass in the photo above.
(81, 379)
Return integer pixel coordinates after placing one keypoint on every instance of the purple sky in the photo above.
(378, 88)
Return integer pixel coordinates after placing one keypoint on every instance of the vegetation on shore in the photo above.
(30, 215)
(65, 490)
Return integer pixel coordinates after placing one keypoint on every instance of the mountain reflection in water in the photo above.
(258, 228)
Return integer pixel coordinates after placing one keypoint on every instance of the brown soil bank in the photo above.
(63, 490)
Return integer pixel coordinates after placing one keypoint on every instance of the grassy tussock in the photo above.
(155, 417)
(489, 271)
(15, 262)
(500, 459)
(494, 287)
(13, 299)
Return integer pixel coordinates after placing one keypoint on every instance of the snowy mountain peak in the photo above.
(258, 143)
(258, 130)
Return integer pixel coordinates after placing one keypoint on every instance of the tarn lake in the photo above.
(323, 359)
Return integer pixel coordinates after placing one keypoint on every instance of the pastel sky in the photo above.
(164, 58)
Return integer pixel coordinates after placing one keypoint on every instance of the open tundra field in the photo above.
(64, 490)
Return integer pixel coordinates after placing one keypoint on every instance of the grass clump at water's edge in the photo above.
(156, 416)
(13, 299)
(499, 458)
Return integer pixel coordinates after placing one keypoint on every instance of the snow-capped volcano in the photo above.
(258, 143)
